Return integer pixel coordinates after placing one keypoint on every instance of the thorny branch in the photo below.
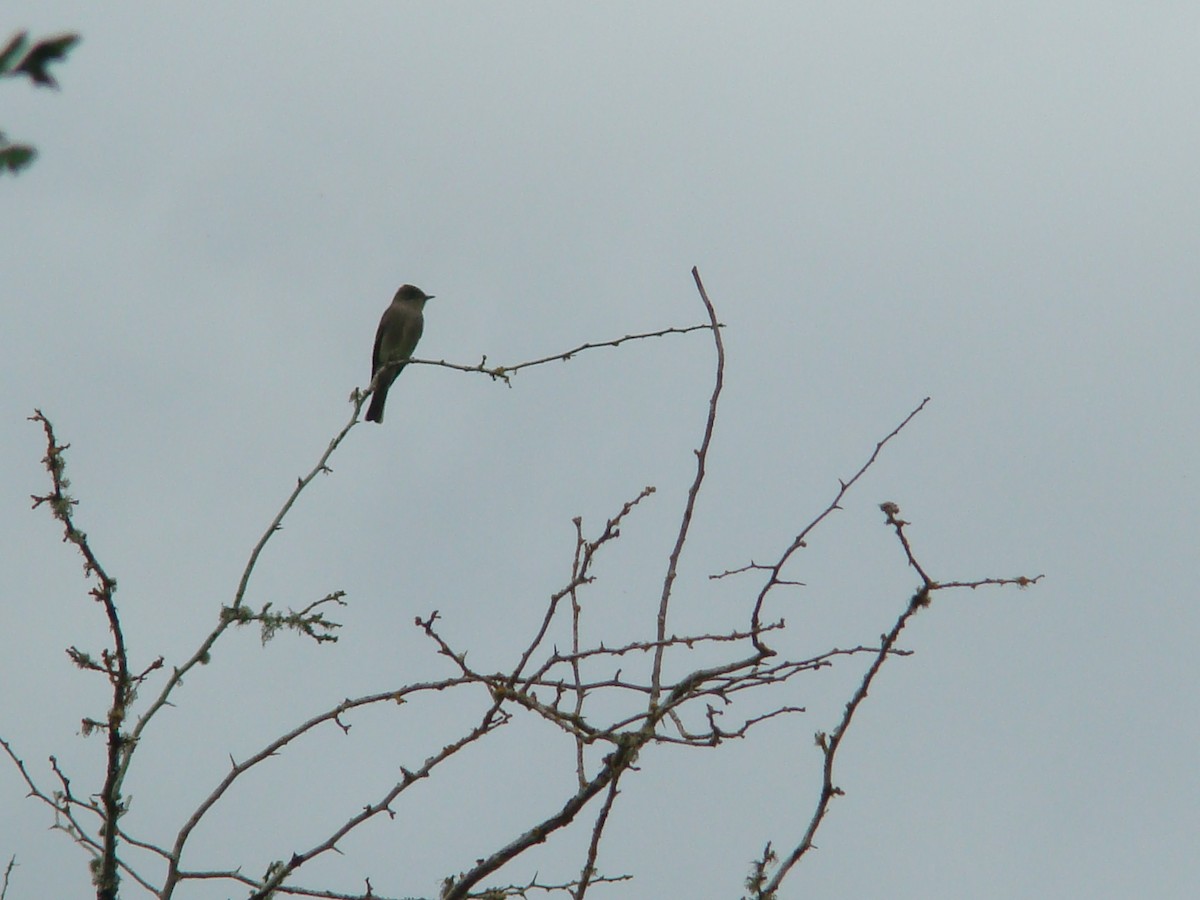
(559, 688)
(774, 580)
(589, 865)
(12, 862)
(689, 508)
(278, 872)
(115, 662)
(64, 805)
(504, 373)
(829, 743)
(175, 874)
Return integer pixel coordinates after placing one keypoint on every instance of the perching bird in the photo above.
(399, 330)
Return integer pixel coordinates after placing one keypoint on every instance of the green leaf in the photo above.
(14, 51)
(43, 53)
(15, 157)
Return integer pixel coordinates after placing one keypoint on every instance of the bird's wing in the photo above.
(376, 355)
(399, 330)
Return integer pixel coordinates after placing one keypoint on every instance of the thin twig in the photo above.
(693, 492)
(576, 675)
(774, 579)
(282, 870)
(580, 575)
(174, 872)
(12, 862)
(202, 653)
(589, 866)
(614, 763)
(829, 743)
(503, 373)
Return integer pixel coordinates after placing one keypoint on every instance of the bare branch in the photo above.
(115, 663)
(232, 614)
(689, 641)
(576, 675)
(693, 491)
(278, 872)
(174, 872)
(589, 866)
(64, 803)
(503, 373)
(614, 764)
(12, 862)
(583, 692)
(829, 743)
(523, 890)
(580, 574)
(752, 567)
(1021, 581)
(774, 579)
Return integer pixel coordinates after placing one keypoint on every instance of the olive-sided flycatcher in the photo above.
(399, 330)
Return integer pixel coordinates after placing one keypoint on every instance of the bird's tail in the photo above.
(378, 399)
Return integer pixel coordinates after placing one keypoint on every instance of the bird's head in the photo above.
(411, 292)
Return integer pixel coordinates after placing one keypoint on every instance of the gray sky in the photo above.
(995, 205)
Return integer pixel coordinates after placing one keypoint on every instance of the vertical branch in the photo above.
(585, 552)
(7, 872)
(829, 744)
(589, 866)
(693, 492)
(576, 572)
(614, 764)
(115, 662)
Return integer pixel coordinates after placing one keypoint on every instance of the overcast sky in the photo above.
(994, 205)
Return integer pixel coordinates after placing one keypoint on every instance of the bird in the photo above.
(399, 330)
